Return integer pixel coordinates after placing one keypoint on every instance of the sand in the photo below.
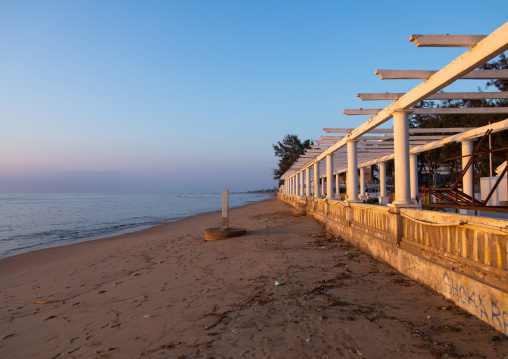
(165, 293)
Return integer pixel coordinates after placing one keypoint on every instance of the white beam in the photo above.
(437, 96)
(426, 74)
(382, 138)
(331, 142)
(347, 130)
(434, 111)
(411, 130)
(446, 40)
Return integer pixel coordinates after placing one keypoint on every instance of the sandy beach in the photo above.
(166, 293)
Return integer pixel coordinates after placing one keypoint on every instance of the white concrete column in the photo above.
(413, 170)
(362, 184)
(329, 176)
(383, 198)
(292, 185)
(352, 172)
(297, 185)
(316, 180)
(401, 151)
(467, 180)
(301, 184)
(337, 186)
(307, 181)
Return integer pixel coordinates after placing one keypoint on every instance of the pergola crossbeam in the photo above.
(382, 138)
(436, 96)
(411, 130)
(331, 142)
(446, 40)
(426, 74)
(435, 111)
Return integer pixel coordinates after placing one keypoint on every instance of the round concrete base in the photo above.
(212, 234)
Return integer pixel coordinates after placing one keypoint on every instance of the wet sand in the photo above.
(165, 293)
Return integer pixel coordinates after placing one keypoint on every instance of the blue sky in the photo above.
(189, 96)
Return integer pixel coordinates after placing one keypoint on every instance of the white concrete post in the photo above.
(401, 151)
(352, 172)
(292, 185)
(297, 185)
(467, 180)
(316, 180)
(337, 186)
(413, 170)
(362, 183)
(383, 198)
(329, 176)
(297, 189)
(301, 184)
(225, 209)
(307, 181)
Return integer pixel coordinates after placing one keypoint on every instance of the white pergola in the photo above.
(358, 148)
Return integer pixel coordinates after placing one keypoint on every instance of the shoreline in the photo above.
(165, 292)
(53, 252)
(113, 233)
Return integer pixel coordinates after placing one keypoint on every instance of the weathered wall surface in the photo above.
(466, 261)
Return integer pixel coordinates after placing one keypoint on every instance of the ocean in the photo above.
(34, 221)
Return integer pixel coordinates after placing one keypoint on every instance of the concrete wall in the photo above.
(466, 262)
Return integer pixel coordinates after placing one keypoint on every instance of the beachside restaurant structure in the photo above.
(459, 255)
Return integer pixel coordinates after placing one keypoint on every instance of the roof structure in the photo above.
(373, 149)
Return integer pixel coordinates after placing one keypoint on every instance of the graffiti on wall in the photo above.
(485, 309)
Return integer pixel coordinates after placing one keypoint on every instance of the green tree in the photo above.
(289, 150)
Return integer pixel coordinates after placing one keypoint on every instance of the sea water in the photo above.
(33, 221)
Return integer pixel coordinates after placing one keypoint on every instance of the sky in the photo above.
(189, 96)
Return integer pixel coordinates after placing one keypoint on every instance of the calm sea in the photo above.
(29, 222)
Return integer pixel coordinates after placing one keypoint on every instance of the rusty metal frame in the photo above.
(460, 200)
